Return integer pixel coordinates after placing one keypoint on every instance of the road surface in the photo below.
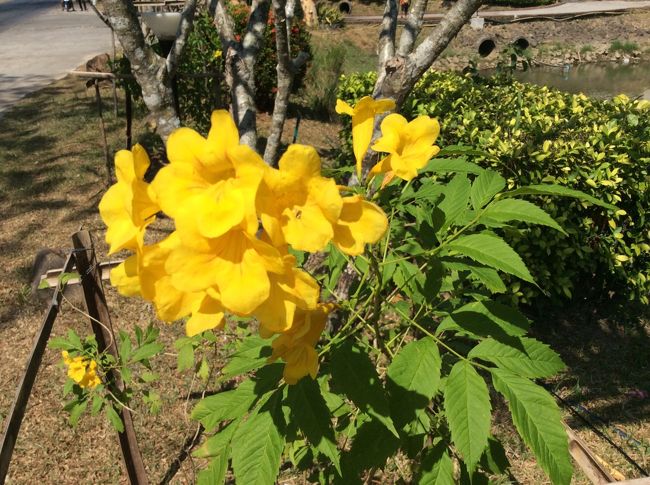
(569, 9)
(39, 43)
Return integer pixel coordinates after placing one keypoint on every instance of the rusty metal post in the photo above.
(90, 274)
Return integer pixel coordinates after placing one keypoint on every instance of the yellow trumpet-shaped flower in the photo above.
(128, 206)
(296, 345)
(363, 119)
(82, 371)
(195, 163)
(290, 290)
(409, 145)
(298, 206)
(361, 222)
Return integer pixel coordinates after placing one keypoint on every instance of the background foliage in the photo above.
(534, 135)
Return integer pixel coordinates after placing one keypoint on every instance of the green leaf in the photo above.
(536, 359)
(76, 412)
(519, 210)
(454, 204)
(98, 403)
(309, 411)
(490, 318)
(114, 419)
(372, 445)
(146, 352)
(257, 447)
(211, 410)
(559, 190)
(488, 249)
(490, 278)
(459, 165)
(486, 186)
(217, 444)
(253, 352)
(467, 406)
(413, 379)
(125, 346)
(215, 473)
(61, 343)
(437, 467)
(495, 459)
(185, 358)
(355, 374)
(204, 370)
(539, 422)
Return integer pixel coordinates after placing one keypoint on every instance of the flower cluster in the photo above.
(235, 220)
(81, 370)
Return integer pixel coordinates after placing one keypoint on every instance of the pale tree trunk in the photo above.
(286, 69)
(152, 72)
(240, 65)
(310, 15)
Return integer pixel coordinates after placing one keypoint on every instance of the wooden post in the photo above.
(17, 411)
(90, 274)
(107, 157)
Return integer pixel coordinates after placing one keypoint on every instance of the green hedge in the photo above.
(533, 134)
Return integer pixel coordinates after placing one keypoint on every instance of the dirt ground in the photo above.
(51, 178)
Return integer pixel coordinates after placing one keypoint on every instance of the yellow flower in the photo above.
(217, 54)
(128, 207)
(298, 206)
(361, 223)
(363, 119)
(296, 346)
(82, 371)
(409, 145)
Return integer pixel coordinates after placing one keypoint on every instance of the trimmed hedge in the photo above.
(534, 134)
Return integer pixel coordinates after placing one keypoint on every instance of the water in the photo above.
(604, 80)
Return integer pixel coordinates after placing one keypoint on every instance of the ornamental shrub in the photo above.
(533, 135)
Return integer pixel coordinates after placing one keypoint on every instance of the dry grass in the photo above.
(51, 178)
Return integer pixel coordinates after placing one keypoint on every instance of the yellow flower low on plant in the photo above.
(409, 145)
(82, 371)
(363, 120)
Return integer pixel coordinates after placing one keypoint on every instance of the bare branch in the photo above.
(412, 27)
(285, 78)
(255, 31)
(436, 42)
(183, 32)
(386, 47)
(225, 25)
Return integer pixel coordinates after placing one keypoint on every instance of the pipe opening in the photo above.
(486, 47)
(345, 8)
(521, 43)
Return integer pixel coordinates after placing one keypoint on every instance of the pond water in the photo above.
(604, 80)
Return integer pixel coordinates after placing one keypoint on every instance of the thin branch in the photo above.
(386, 45)
(436, 42)
(412, 27)
(183, 32)
(285, 79)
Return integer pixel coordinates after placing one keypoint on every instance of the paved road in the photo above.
(568, 9)
(39, 44)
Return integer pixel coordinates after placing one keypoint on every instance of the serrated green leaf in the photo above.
(355, 374)
(436, 467)
(457, 194)
(413, 379)
(539, 422)
(535, 360)
(467, 406)
(253, 352)
(185, 357)
(217, 444)
(43, 285)
(495, 459)
(557, 190)
(507, 210)
(125, 346)
(204, 370)
(257, 447)
(490, 279)
(98, 403)
(211, 410)
(114, 418)
(490, 318)
(486, 186)
(76, 412)
(61, 343)
(488, 249)
(215, 472)
(309, 411)
(371, 447)
(146, 352)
